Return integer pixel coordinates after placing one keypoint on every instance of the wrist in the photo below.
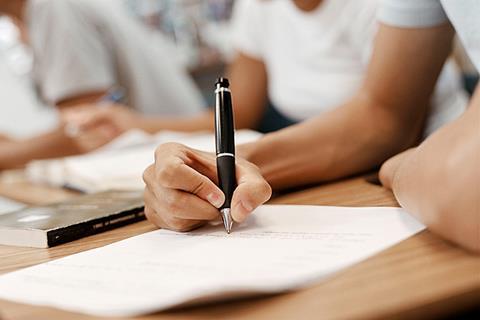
(148, 124)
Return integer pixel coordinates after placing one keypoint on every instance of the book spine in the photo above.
(88, 228)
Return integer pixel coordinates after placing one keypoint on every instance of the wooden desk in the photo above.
(422, 277)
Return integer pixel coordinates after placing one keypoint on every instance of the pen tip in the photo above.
(227, 220)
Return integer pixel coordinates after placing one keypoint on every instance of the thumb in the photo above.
(252, 191)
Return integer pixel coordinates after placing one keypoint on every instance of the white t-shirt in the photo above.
(22, 115)
(464, 15)
(81, 46)
(317, 60)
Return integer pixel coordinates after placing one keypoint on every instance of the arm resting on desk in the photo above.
(439, 182)
(16, 153)
(385, 117)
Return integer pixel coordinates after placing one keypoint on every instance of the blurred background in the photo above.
(197, 29)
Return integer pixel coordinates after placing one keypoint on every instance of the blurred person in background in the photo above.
(305, 67)
(70, 53)
(85, 48)
(301, 57)
(29, 129)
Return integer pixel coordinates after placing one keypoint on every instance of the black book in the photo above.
(51, 225)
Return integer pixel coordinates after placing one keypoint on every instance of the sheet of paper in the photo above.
(7, 205)
(279, 248)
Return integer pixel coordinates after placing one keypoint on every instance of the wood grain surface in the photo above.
(423, 277)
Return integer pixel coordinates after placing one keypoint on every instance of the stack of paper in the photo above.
(278, 248)
(7, 205)
(119, 165)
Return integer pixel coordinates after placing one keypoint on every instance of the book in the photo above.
(51, 225)
(119, 165)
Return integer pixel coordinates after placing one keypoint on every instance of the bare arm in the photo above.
(439, 182)
(385, 117)
(249, 89)
(17, 153)
(84, 99)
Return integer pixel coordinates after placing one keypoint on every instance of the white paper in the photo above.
(7, 205)
(119, 165)
(279, 248)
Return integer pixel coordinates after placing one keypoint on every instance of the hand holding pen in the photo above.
(181, 191)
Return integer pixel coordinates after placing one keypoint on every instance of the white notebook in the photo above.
(279, 248)
(120, 164)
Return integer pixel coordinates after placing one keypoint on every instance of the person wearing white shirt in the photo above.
(437, 182)
(325, 50)
(29, 129)
(83, 48)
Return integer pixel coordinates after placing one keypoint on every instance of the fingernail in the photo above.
(215, 200)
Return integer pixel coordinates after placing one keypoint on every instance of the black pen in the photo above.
(225, 147)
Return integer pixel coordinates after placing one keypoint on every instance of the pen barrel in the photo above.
(224, 122)
(226, 177)
(225, 140)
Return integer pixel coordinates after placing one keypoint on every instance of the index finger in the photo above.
(173, 170)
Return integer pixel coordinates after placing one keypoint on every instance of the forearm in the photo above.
(353, 138)
(439, 182)
(16, 153)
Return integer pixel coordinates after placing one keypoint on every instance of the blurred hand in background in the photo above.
(114, 118)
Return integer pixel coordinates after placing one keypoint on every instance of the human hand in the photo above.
(85, 141)
(117, 117)
(5, 138)
(181, 188)
(390, 168)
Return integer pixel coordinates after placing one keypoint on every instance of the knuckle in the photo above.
(166, 174)
(178, 225)
(147, 174)
(167, 149)
(148, 212)
(200, 185)
(171, 200)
